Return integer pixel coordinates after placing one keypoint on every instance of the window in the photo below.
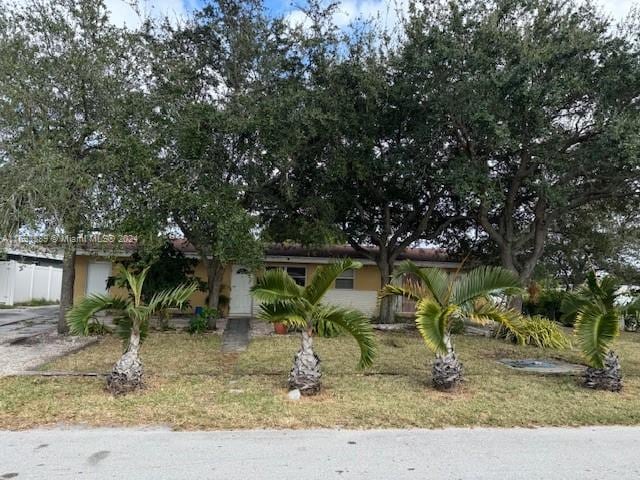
(299, 274)
(345, 280)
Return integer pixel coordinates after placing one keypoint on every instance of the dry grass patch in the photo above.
(192, 385)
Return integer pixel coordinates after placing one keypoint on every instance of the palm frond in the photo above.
(432, 323)
(79, 317)
(412, 290)
(354, 323)
(282, 312)
(324, 276)
(596, 328)
(136, 282)
(274, 286)
(570, 306)
(509, 320)
(435, 280)
(177, 297)
(542, 332)
(483, 282)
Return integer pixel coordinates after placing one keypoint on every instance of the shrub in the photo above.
(546, 303)
(200, 322)
(537, 331)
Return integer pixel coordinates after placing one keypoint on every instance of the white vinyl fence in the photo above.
(23, 282)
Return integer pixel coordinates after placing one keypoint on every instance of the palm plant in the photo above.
(442, 299)
(596, 319)
(283, 300)
(132, 316)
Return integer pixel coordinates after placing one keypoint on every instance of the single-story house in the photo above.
(356, 289)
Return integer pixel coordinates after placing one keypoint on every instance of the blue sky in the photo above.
(349, 9)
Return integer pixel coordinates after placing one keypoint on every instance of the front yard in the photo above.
(192, 385)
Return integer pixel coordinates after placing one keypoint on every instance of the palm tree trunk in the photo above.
(607, 378)
(126, 375)
(446, 370)
(305, 374)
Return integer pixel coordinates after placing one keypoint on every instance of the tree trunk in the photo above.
(446, 370)
(387, 303)
(126, 375)
(305, 374)
(68, 280)
(214, 281)
(515, 302)
(607, 378)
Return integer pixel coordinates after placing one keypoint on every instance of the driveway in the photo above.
(16, 323)
(28, 339)
(603, 453)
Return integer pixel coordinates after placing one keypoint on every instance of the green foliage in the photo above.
(284, 301)
(74, 92)
(547, 304)
(596, 317)
(537, 331)
(511, 83)
(131, 314)
(457, 326)
(199, 323)
(82, 316)
(444, 299)
(168, 268)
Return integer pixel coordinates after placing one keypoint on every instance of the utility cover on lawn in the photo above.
(551, 367)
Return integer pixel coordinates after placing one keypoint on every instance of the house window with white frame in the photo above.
(346, 280)
(299, 274)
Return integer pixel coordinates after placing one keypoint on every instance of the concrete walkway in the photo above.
(236, 335)
(602, 453)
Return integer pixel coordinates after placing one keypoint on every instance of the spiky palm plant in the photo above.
(133, 319)
(441, 298)
(596, 320)
(283, 300)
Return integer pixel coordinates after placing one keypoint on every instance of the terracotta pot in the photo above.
(280, 328)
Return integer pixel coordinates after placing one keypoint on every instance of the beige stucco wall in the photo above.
(80, 284)
(363, 295)
(80, 281)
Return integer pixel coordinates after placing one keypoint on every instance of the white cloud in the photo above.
(123, 13)
(389, 12)
(618, 9)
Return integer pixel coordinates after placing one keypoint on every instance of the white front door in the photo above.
(241, 301)
(97, 275)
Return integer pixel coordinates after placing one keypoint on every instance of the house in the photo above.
(356, 289)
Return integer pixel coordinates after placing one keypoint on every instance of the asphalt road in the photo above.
(587, 453)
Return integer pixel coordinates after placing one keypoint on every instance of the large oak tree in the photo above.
(66, 74)
(540, 102)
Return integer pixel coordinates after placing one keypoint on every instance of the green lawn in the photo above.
(191, 385)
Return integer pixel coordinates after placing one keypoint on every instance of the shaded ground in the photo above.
(551, 454)
(191, 384)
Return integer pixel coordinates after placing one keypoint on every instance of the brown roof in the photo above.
(341, 251)
(295, 250)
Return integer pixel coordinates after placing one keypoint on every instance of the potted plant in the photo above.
(280, 328)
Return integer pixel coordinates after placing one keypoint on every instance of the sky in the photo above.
(349, 10)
